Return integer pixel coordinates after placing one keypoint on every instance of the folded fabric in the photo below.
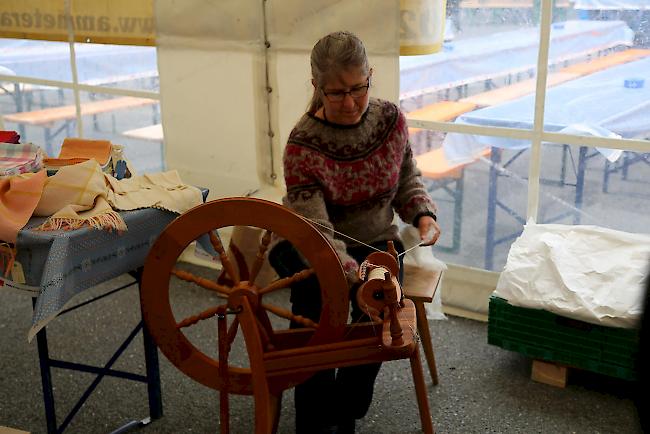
(17, 158)
(100, 150)
(63, 161)
(75, 197)
(81, 195)
(9, 137)
(163, 190)
(19, 196)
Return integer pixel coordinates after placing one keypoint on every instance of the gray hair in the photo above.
(333, 54)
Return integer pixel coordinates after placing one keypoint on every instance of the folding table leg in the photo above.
(153, 375)
(580, 183)
(46, 378)
(151, 363)
(495, 159)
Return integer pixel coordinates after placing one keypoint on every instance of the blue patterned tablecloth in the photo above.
(58, 265)
(62, 264)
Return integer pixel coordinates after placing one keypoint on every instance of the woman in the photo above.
(348, 167)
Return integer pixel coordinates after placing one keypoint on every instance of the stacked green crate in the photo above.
(544, 335)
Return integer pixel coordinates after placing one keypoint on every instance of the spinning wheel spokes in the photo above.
(225, 261)
(284, 313)
(286, 282)
(261, 256)
(201, 281)
(208, 313)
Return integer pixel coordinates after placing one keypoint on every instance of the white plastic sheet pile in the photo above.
(587, 273)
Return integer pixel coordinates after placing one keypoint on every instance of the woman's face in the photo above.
(345, 98)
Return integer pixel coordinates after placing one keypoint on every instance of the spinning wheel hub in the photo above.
(243, 290)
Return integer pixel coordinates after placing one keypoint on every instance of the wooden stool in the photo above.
(421, 294)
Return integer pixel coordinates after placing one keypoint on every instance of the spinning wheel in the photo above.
(206, 219)
(279, 358)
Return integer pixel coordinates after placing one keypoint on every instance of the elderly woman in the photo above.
(348, 167)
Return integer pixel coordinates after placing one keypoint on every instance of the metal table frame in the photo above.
(497, 170)
(151, 379)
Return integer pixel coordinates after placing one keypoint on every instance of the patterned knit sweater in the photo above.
(352, 178)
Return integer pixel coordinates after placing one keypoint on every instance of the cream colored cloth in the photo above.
(163, 190)
(82, 194)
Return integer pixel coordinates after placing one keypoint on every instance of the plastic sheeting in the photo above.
(612, 4)
(481, 58)
(587, 273)
(598, 104)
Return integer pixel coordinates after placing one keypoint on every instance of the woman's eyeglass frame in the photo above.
(355, 93)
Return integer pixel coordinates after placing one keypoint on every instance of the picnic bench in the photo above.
(152, 133)
(526, 87)
(46, 118)
(440, 173)
(520, 88)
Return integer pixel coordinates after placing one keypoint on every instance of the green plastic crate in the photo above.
(544, 335)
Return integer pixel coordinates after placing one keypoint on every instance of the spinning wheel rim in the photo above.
(154, 294)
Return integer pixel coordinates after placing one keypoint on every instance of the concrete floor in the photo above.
(483, 389)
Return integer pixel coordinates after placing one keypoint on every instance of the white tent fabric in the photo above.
(215, 73)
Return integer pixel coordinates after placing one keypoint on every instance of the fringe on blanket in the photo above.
(7, 258)
(109, 221)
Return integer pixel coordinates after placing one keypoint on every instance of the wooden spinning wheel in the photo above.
(278, 358)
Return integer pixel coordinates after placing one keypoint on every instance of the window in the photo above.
(50, 90)
(495, 149)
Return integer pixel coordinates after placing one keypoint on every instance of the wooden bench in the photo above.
(441, 111)
(439, 173)
(152, 133)
(604, 62)
(67, 114)
(151, 75)
(513, 91)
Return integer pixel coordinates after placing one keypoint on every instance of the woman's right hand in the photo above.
(429, 230)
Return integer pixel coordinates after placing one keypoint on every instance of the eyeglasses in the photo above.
(339, 95)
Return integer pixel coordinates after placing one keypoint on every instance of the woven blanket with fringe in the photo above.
(82, 195)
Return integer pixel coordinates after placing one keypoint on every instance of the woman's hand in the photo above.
(429, 230)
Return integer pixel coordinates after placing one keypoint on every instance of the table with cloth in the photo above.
(490, 56)
(54, 266)
(636, 13)
(610, 103)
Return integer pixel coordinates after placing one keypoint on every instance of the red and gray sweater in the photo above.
(353, 178)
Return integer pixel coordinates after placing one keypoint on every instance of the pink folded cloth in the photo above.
(17, 158)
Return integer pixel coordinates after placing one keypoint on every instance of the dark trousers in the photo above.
(330, 398)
